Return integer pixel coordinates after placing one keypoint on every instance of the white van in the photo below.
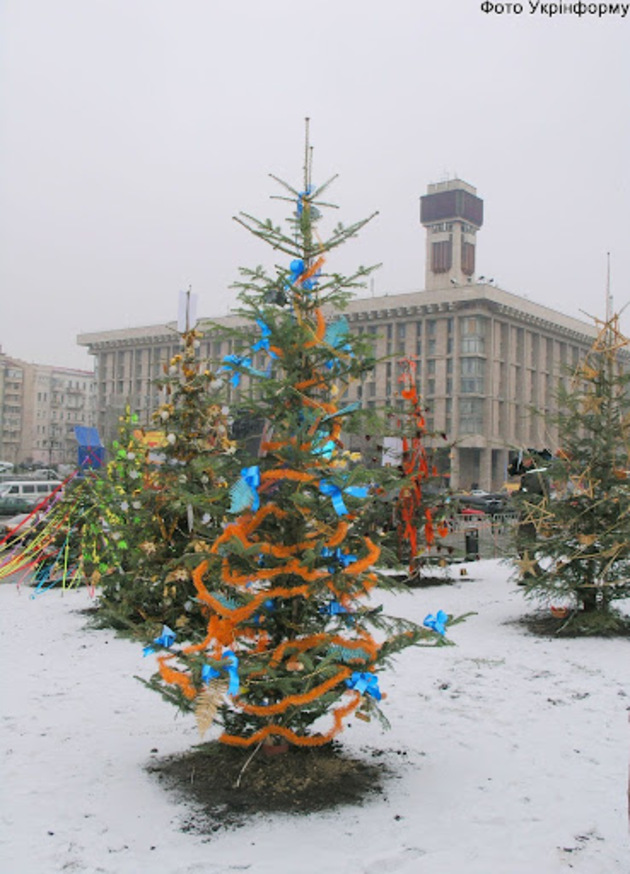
(33, 490)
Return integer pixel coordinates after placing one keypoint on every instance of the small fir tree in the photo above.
(581, 523)
(420, 506)
(288, 634)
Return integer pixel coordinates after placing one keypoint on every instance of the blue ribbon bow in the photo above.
(166, 639)
(364, 683)
(333, 608)
(335, 494)
(230, 666)
(342, 558)
(263, 343)
(231, 362)
(437, 623)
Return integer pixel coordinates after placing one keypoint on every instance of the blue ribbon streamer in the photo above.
(437, 623)
(166, 639)
(364, 683)
(230, 666)
(335, 494)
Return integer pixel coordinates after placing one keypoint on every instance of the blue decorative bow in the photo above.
(333, 608)
(335, 494)
(232, 362)
(230, 665)
(342, 558)
(437, 623)
(263, 343)
(364, 683)
(166, 639)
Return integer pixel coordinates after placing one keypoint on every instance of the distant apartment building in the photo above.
(488, 362)
(40, 404)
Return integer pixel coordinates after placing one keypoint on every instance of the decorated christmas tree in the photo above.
(170, 496)
(292, 645)
(420, 504)
(133, 530)
(579, 544)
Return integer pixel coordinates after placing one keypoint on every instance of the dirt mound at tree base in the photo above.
(227, 789)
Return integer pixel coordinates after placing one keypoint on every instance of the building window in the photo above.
(471, 416)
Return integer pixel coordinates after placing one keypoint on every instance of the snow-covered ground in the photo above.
(517, 753)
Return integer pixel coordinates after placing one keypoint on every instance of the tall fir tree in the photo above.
(579, 523)
(290, 635)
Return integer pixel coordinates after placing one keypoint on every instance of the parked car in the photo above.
(11, 505)
(17, 526)
(489, 503)
(33, 490)
(45, 473)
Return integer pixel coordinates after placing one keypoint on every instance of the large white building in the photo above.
(488, 361)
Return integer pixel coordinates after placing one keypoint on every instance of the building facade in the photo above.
(488, 362)
(40, 405)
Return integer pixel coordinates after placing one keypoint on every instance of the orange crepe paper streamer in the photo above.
(299, 645)
(176, 678)
(312, 270)
(297, 475)
(309, 383)
(291, 567)
(365, 641)
(339, 535)
(247, 610)
(319, 332)
(279, 352)
(266, 547)
(308, 741)
(363, 564)
(296, 700)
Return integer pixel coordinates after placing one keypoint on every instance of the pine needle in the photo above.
(207, 704)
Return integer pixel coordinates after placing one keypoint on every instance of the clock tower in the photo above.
(452, 214)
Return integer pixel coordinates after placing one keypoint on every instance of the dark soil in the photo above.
(300, 780)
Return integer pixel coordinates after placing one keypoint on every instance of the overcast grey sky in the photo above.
(133, 130)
